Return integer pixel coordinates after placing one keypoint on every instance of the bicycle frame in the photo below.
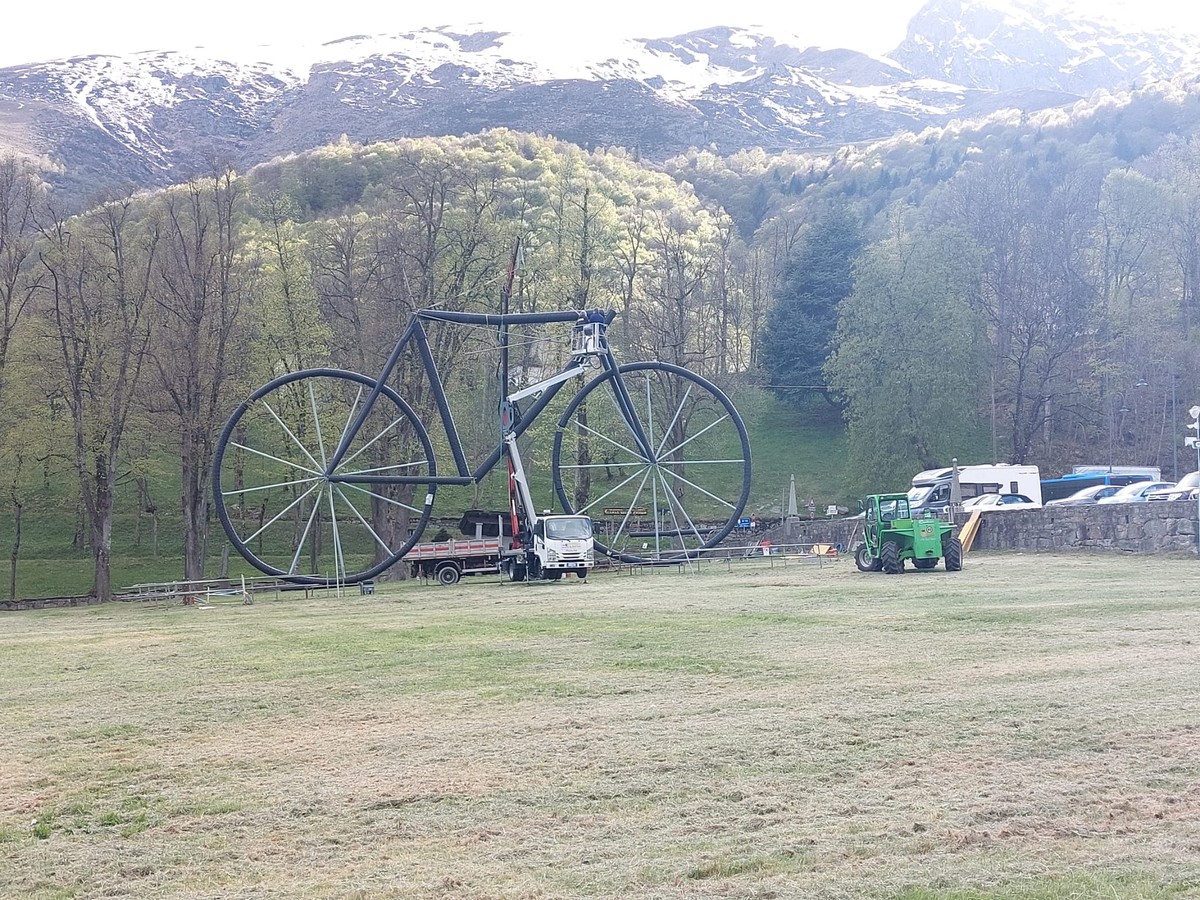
(698, 480)
(544, 391)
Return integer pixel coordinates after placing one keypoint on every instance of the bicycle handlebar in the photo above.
(469, 318)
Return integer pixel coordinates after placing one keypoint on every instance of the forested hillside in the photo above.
(1021, 288)
(134, 330)
(1027, 291)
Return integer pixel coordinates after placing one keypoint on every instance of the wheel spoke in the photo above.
(339, 558)
(637, 456)
(632, 505)
(354, 509)
(317, 467)
(384, 498)
(672, 499)
(684, 443)
(382, 432)
(693, 484)
(616, 405)
(353, 410)
(674, 419)
(270, 487)
(304, 536)
(654, 501)
(612, 491)
(282, 512)
(286, 462)
(408, 465)
(649, 429)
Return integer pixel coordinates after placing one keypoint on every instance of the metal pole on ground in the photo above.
(1194, 441)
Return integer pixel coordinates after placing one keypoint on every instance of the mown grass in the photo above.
(1024, 729)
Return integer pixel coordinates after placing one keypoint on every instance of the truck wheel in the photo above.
(556, 575)
(448, 574)
(889, 558)
(952, 551)
(516, 572)
(925, 563)
(581, 574)
(865, 561)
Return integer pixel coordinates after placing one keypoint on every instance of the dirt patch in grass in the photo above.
(765, 732)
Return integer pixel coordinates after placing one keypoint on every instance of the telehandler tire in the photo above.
(865, 561)
(953, 553)
(889, 558)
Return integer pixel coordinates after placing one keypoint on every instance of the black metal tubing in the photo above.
(415, 333)
(467, 318)
(626, 406)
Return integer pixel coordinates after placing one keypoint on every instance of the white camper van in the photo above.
(930, 490)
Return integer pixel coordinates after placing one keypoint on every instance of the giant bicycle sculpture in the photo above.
(327, 476)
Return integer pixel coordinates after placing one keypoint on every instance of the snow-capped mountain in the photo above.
(1001, 46)
(153, 118)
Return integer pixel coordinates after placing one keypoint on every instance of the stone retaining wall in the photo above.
(1120, 527)
(1127, 527)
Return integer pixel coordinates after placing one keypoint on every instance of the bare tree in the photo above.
(98, 273)
(19, 273)
(197, 347)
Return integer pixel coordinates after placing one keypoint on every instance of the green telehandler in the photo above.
(891, 535)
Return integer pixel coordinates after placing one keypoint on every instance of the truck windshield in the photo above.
(569, 528)
(919, 493)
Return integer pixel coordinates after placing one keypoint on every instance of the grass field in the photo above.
(1027, 728)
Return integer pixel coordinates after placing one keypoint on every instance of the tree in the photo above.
(289, 331)
(20, 195)
(798, 337)
(198, 347)
(1036, 228)
(909, 357)
(20, 192)
(98, 274)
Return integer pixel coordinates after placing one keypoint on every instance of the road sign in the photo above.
(745, 523)
(622, 510)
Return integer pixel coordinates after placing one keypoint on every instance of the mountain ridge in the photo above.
(149, 119)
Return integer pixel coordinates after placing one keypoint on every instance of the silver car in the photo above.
(1136, 492)
(1186, 489)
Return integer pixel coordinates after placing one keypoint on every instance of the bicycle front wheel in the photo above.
(672, 499)
(292, 513)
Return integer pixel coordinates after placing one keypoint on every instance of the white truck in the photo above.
(930, 491)
(520, 543)
(544, 546)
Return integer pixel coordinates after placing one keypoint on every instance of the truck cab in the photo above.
(546, 546)
(561, 544)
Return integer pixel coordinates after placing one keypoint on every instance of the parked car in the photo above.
(998, 501)
(1186, 489)
(1086, 496)
(1136, 492)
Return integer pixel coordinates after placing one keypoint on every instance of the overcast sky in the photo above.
(42, 31)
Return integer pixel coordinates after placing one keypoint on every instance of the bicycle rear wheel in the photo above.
(293, 515)
(679, 499)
